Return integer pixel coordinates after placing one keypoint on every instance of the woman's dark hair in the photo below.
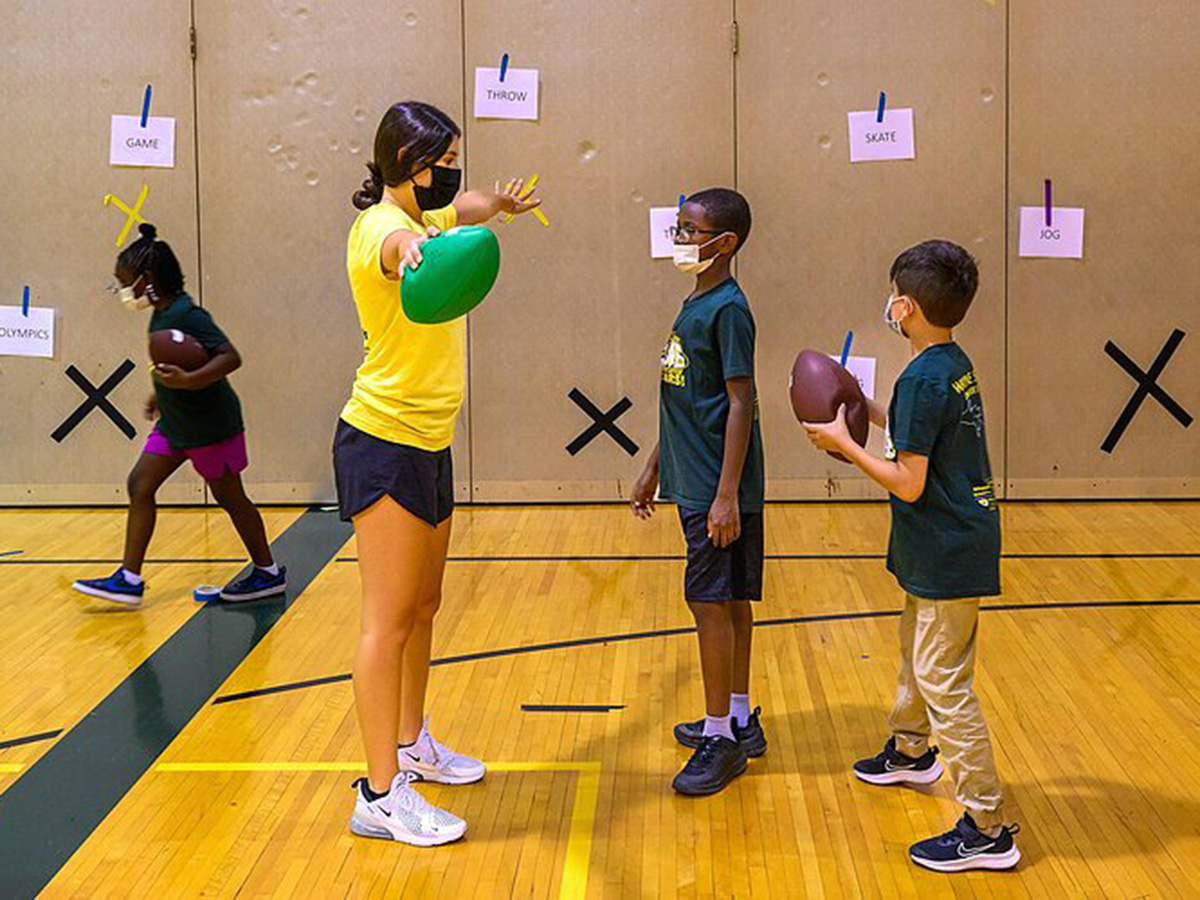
(149, 255)
(412, 136)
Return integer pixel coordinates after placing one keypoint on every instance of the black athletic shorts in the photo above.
(366, 468)
(713, 573)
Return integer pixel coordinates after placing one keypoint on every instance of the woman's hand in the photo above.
(412, 254)
(515, 199)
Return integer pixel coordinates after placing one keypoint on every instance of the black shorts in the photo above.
(366, 468)
(715, 574)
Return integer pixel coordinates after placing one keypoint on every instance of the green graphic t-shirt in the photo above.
(195, 418)
(946, 545)
(712, 341)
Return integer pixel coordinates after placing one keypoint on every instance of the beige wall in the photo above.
(65, 69)
(639, 103)
(1101, 104)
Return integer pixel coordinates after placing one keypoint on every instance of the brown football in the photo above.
(819, 385)
(173, 347)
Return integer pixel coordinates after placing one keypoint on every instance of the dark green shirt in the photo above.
(195, 418)
(712, 341)
(946, 545)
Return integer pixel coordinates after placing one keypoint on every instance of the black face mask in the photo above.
(442, 191)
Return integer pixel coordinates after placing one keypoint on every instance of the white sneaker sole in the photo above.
(434, 775)
(99, 594)
(373, 828)
(257, 595)
(995, 861)
(904, 776)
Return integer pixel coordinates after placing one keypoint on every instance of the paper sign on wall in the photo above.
(863, 370)
(662, 220)
(133, 145)
(26, 335)
(1062, 238)
(514, 98)
(872, 140)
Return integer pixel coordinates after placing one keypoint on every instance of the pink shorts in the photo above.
(212, 462)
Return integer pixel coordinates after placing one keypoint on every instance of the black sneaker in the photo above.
(966, 848)
(893, 767)
(258, 584)
(716, 762)
(751, 737)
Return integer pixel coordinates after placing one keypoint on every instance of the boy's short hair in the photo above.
(727, 210)
(941, 277)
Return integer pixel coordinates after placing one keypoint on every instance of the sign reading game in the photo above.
(151, 146)
(516, 97)
(872, 139)
(24, 334)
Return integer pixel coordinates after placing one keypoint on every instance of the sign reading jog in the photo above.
(26, 331)
(511, 96)
(1051, 231)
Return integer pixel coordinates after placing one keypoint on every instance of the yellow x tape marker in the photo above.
(135, 214)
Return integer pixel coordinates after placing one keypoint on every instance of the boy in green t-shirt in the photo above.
(709, 456)
(944, 551)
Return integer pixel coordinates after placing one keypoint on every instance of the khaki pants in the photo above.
(937, 675)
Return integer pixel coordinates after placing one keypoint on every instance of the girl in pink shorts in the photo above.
(199, 419)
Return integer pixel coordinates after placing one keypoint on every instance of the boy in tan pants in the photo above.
(944, 551)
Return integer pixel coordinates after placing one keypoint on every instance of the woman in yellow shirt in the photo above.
(393, 468)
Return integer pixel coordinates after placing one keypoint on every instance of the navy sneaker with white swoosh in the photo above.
(965, 847)
(258, 584)
(893, 767)
(115, 588)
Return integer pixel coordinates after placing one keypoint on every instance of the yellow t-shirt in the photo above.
(410, 386)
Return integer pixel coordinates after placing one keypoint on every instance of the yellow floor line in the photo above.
(583, 812)
(10, 768)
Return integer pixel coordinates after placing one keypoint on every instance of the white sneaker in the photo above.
(404, 815)
(428, 760)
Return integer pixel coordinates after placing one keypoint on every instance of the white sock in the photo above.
(272, 569)
(132, 577)
(739, 708)
(718, 725)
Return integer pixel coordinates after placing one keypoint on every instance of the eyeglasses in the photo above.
(687, 232)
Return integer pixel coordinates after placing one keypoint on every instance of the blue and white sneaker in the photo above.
(258, 584)
(966, 847)
(893, 767)
(115, 588)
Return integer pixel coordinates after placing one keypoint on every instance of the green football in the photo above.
(457, 270)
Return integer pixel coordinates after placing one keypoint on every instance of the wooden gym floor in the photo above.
(1088, 677)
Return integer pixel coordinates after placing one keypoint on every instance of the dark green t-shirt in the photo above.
(195, 418)
(712, 341)
(946, 545)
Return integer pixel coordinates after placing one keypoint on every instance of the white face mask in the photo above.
(131, 301)
(687, 257)
(893, 324)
